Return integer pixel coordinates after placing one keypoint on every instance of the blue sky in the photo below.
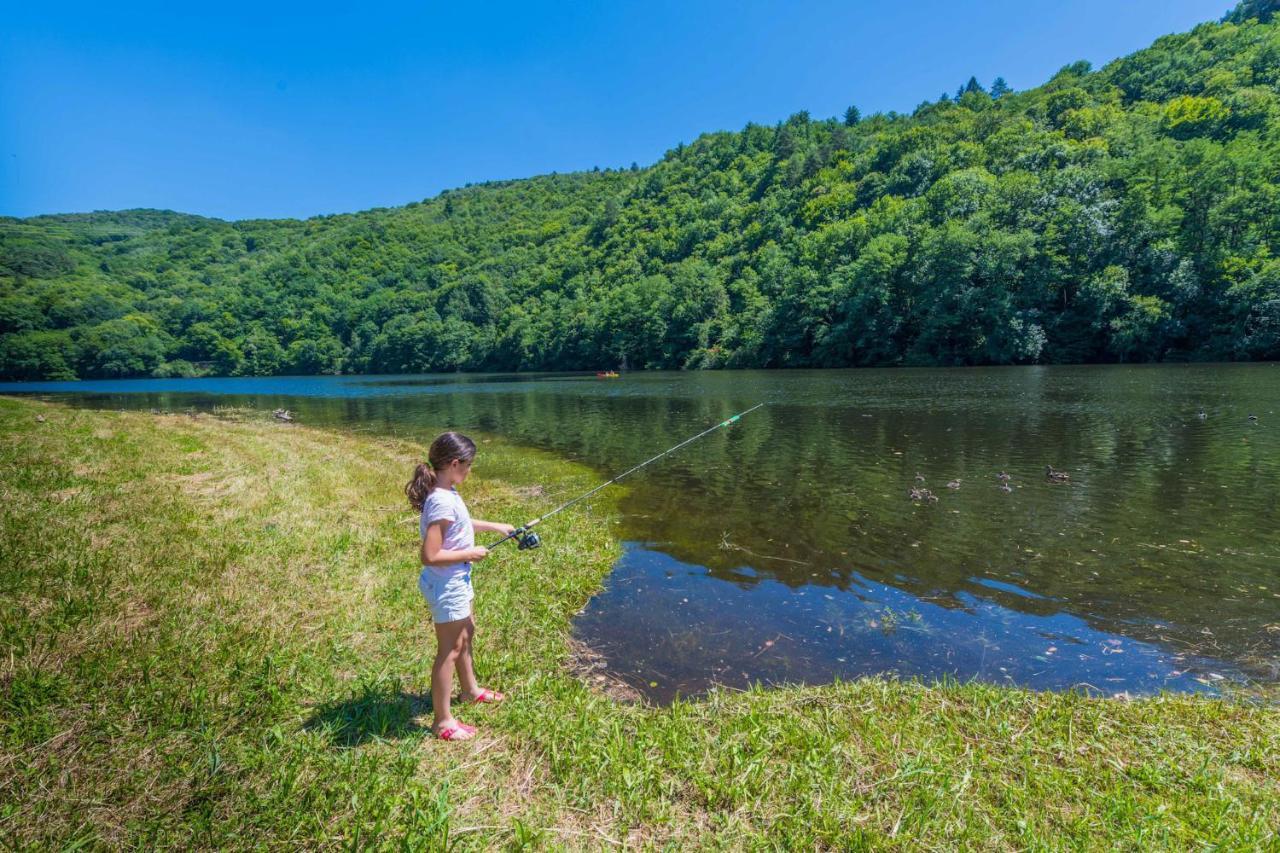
(275, 109)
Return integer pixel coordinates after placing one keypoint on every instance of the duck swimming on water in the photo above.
(1056, 476)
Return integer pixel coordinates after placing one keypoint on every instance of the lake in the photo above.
(788, 547)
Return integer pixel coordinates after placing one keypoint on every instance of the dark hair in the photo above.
(447, 447)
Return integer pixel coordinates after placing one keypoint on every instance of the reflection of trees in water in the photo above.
(812, 489)
(822, 485)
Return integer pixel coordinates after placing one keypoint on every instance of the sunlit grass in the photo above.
(213, 637)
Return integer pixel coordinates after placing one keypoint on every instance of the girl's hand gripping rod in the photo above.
(526, 537)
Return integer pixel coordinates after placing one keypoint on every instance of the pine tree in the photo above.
(852, 116)
(784, 142)
(1263, 10)
(999, 88)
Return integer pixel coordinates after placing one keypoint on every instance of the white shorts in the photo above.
(449, 596)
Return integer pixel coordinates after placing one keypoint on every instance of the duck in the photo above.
(1253, 418)
(1202, 415)
(953, 484)
(922, 495)
(282, 415)
(1005, 487)
(919, 477)
(1003, 477)
(1056, 476)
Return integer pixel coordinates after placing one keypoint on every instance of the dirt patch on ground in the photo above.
(591, 668)
(132, 616)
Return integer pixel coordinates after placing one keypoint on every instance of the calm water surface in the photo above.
(788, 548)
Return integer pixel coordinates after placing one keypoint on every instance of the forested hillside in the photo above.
(1126, 214)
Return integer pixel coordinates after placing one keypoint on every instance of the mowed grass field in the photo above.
(212, 637)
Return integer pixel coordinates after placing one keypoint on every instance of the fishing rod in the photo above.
(525, 536)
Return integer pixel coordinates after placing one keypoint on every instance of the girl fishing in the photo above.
(448, 550)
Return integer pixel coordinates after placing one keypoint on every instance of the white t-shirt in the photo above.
(446, 504)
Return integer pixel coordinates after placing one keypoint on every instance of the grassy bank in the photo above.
(212, 636)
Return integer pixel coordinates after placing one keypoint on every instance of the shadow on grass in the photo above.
(381, 711)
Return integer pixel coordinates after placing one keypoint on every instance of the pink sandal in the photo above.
(486, 696)
(452, 732)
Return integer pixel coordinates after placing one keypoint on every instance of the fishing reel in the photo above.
(527, 539)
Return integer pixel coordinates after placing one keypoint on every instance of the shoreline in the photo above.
(215, 641)
(10, 387)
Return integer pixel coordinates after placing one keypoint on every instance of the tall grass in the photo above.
(212, 637)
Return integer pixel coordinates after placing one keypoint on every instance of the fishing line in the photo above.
(527, 538)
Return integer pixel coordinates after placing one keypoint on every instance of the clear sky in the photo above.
(272, 109)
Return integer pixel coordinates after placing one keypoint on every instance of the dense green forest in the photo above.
(1126, 214)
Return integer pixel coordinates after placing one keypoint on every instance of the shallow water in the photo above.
(787, 548)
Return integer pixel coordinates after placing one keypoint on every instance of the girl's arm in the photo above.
(492, 527)
(433, 552)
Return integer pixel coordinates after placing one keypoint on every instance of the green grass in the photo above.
(212, 637)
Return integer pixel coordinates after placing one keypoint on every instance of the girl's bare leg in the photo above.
(466, 674)
(450, 640)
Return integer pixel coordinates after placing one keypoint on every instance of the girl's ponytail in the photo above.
(424, 480)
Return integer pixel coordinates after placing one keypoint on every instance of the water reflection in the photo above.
(732, 634)
(1164, 540)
